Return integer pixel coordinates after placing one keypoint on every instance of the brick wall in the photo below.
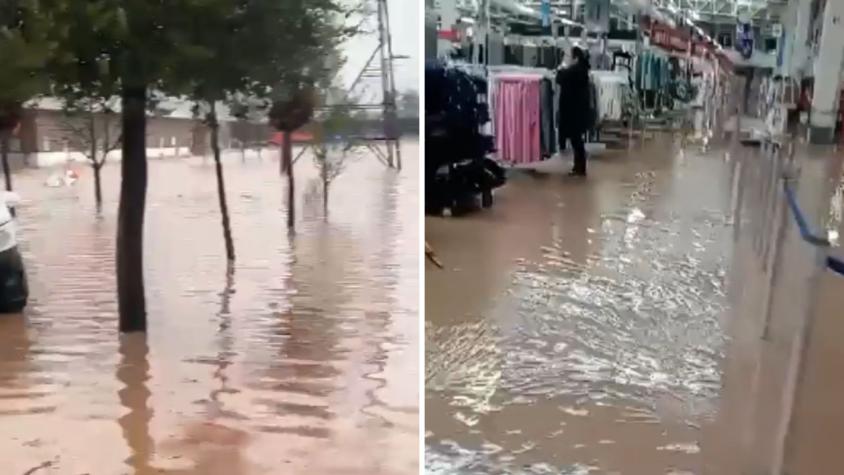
(47, 131)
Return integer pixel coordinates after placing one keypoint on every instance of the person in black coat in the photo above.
(575, 112)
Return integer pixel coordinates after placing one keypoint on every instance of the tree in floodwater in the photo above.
(139, 46)
(211, 70)
(335, 142)
(288, 116)
(92, 127)
(298, 50)
(130, 47)
(207, 112)
(248, 133)
(23, 53)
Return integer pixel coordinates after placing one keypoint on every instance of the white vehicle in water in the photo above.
(14, 290)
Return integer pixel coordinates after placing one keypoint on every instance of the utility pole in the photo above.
(383, 69)
(389, 111)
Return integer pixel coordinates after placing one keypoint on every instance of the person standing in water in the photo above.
(575, 112)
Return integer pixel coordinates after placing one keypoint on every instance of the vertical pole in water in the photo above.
(738, 194)
(388, 86)
(774, 262)
(392, 80)
(771, 194)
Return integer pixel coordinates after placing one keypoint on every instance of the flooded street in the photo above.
(305, 361)
(580, 326)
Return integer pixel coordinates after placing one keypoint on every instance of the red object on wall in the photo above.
(681, 39)
(298, 136)
(669, 38)
(450, 35)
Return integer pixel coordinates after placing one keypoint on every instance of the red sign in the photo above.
(450, 35)
(669, 38)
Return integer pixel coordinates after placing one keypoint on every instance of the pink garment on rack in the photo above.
(517, 118)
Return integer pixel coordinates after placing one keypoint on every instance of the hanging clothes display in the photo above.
(494, 72)
(548, 129)
(517, 117)
(611, 91)
(652, 71)
(457, 168)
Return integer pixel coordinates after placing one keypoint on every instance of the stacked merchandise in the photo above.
(457, 169)
(532, 52)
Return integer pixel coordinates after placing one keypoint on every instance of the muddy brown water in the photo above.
(305, 361)
(579, 326)
(645, 321)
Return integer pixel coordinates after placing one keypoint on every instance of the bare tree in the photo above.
(92, 127)
(335, 141)
(247, 131)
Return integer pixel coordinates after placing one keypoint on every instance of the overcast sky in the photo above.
(404, 22)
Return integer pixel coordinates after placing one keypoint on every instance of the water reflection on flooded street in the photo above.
(304, 361)
(578, 326)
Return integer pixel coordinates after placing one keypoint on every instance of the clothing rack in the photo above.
(456, 164)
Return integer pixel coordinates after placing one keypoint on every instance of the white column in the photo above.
(799, 37)
(828, 74)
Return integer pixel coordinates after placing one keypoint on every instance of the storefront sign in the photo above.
(669, 38)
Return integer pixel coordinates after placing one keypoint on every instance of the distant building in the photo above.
(44, 138)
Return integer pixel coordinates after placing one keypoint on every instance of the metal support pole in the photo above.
(388, 83)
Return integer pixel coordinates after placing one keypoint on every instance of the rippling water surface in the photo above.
(597, 346)
(304, 361)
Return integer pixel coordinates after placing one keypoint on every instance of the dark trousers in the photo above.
(578, 148)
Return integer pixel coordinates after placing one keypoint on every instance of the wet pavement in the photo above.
(305, 361)
(580, 326)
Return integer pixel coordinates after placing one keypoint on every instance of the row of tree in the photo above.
(265, 54)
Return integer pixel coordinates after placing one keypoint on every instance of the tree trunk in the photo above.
(130, 218)
(287, 167)
(4, 152)
(221, 186)
(98, 188)
(325, 185)
(98, 194)
(4, 155)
